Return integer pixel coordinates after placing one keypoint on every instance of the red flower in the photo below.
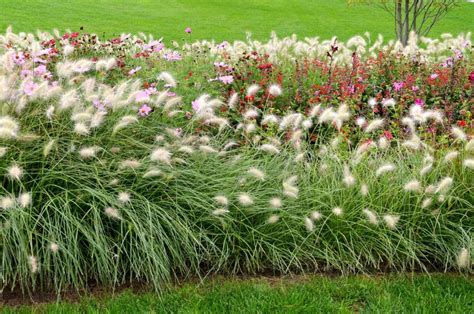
(250, 98)
(388, 135)
(471, 77)
(74, 35)
(462, 123)
(265, 66)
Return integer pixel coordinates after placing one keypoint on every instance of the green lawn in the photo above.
(219, 19)
(394, 293)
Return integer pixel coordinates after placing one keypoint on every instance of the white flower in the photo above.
(391, 220)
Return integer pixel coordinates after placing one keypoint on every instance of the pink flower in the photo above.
(188, 30)
(434, 76)
(40, 70)
(173, 56)
(227, 79)
(419, 102)
(171, 94)
(398, 86)
(142, 96)
(135, 70)
(196, 104)
(29, 88)
(471, 77)
(144, 110)
(415, 88)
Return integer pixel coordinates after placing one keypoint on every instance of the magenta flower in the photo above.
(188, 30)
(135, 70)
(144, 110)
(142, 96)
(398, 86)
(415, 88)
(419, 102)
(226, 79)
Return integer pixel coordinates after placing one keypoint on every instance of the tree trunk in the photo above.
(406, 32)
(399, 20)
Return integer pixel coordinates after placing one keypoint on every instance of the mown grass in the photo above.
(387, 294)
(221, 20)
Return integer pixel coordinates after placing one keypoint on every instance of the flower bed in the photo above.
(127, 160)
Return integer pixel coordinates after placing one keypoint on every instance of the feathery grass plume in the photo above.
(444, 185)
(413, 186)
(289, 187)
(430, 189)
(221, 199)
(371, 216)
(349, 179)
(426, 169)
(468, 163)
(250, 114)
(450, 156)
(50, 112)
(374, 125)
(207, 149)
(275, 90)
(24, 199)
(186, 149)
(97, 119)
(458, 133)
(130, 164)
(124, 197)
(161, 155)
(153, 173)
(7, 202)
(276, 202)
(270, 119)
(426, 203)
(81, 128)
(315, 215)
(252, 90)
(168, 78)
(391, 220)
(308, 223)
(230, 145)
(48, 147)
(314, 111)
(112, 213)
(273, 219)
(14, 172)
(245, 199)
(469, 145)
(33, 263)
(9, 128)
(54, 247)
(383, 143)
(88, 152)
(463, 259)
(220, 211)
(360, 122)
(342, 115)
(256, 173)
(233, 100)
(269, 148)
(3, 151)
(364, 190)
(337, 211)
(124, 122)
(388, 167)
(307, 124)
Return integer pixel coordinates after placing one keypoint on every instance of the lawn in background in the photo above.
(391, 293)
(218, 19)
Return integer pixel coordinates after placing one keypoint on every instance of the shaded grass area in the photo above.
(438, 293)
(221, 20)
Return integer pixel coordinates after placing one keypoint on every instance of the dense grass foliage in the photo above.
(390, 294)
(215, 19)
(302, 156)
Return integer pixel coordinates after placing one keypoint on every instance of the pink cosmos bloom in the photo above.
(29, 88)
(196, 105)
(419, 102)
(415, 88)
(142, 96)
(171, 94)
(19, 58)
(227, 79)
(188, 30)
(40, 70)
(25, 73)
(144, 110)
(172, 56)
(398, 86)
(434, 76)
